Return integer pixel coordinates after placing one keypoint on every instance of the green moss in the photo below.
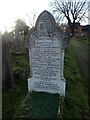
(40, 105)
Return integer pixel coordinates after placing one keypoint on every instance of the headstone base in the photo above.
(47, 86)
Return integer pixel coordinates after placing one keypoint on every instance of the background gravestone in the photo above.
(46, 50)
(11, 36)
(17, 40)
(0, 76)
(66, 40)
(0, 60)
(7, 77)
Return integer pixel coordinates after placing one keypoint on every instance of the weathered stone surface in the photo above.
(0, 76)
(11, 36)
(0, 60)
(45, 43)
(7, 77)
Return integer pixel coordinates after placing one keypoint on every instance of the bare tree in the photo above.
(71, 10)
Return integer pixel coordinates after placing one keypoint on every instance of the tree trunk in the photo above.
(73, 30)
(72, 26)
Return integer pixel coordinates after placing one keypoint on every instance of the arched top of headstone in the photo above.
(45, 28)
(47, 18)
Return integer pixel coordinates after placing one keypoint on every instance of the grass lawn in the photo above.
(45, 105)
(12, 98)
(76, 99)
(84, 40)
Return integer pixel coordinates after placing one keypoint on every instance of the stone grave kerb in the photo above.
(46, 30)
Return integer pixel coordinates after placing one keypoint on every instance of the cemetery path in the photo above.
(82, 57)
(81, 54)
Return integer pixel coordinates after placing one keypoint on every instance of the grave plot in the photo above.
(46, 44)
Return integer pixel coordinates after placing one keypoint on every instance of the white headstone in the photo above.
(46, 56)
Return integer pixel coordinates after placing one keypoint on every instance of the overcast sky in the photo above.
(10, 10)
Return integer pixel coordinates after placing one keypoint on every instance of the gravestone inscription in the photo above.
(46, 51)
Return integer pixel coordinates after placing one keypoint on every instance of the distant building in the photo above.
(80, 31)
(86, 31)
